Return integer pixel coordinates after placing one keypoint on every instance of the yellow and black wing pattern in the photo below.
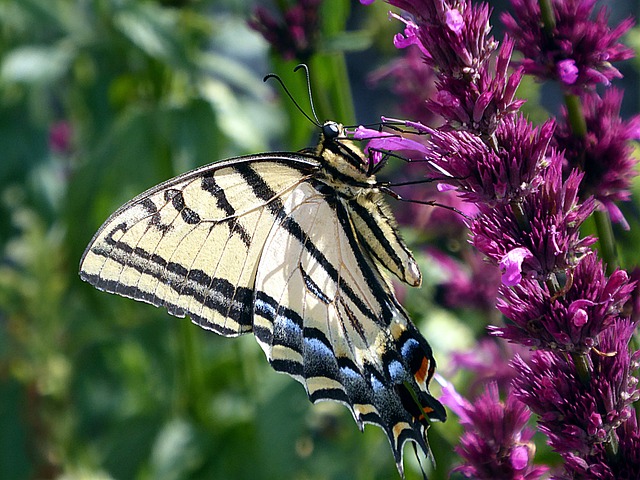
(291, 247)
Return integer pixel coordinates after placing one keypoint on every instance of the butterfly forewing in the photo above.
(192, 244)
(291, 247)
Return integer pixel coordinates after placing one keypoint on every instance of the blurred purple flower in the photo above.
(60, 137)
(472, 284)
(293, 33)
(578, 52)
(496, 442)
(488, 361)
(572, 322)
(604, 154)
(441, 223)
(578, 416)
(412, 81)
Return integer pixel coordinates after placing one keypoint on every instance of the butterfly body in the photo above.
(290, 247)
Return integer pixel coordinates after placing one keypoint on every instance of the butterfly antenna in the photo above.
(313, 107)
(275, 76)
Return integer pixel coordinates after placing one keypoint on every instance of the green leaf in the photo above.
(153, 29)
(36, 64)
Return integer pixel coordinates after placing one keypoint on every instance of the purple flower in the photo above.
(455, 33)
(472, 284)
(531, 201)
(294, 33)
(545, 223)
(604, 154)
(488, 361)
(454, 37)
(597, 464)
(486, 176)
(479, 103)
(578, 52)
(568, 71)
(511, 265)
(580, 417)
(571, 322)
(496, 442)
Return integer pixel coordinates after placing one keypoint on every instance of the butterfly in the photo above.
(293, 248)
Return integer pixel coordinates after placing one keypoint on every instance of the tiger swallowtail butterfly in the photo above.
(291, 247)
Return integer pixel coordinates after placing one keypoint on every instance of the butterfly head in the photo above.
(340, 154)
(332, 130)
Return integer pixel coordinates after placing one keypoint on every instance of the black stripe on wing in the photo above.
(217, 294)
(378, 234)
(210, 185)
(262, 191)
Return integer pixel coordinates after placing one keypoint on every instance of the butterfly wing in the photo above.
(192, 244)
(325, 315)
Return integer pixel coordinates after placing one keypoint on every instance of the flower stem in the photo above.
(548, 19)
(576, 117)
(582, 367)
(611, 447)
(606, 240)
(603, 222)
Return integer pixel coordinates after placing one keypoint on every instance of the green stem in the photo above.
(548, 19)
(611, 447)
(576, 117)
(606, 240)
(192, 374)
(582, 367)
(332, 89)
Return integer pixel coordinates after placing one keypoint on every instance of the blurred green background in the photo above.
(99, 100)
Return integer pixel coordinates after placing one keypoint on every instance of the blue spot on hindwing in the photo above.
(408, 348)
(396, 371)
(318, 347)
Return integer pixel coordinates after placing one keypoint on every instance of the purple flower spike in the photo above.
(551, 233)
(485, 176)
(604, 154)
(572, 322)
(454, 38)
(496, 442)
(580, 50)
(578, 417)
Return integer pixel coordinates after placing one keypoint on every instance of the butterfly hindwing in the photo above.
(192, 244)
(325, 315)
